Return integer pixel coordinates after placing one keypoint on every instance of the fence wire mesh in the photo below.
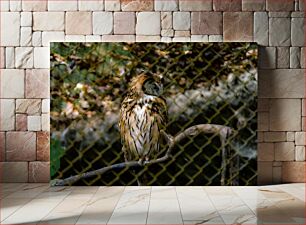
(204, 83)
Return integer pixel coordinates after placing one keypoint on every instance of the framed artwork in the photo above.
(154, 113)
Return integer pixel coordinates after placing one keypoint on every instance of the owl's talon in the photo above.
(140, 161)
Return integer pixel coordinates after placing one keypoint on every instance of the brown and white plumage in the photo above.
(143, 115)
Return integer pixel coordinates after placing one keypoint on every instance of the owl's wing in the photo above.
(157, 122)
(160, 112)
(125, 118)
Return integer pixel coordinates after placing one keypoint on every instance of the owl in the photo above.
(143, 115)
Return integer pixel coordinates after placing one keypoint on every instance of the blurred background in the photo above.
(213, 83)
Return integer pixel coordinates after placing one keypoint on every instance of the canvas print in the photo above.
(153, 113)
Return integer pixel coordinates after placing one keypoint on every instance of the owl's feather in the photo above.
(142, 117)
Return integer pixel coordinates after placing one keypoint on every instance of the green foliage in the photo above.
(56, 153)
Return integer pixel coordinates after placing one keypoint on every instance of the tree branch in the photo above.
(222, 131)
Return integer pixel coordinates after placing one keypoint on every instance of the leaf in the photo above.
(56, 153)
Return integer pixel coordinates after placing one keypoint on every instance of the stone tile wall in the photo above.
(27, 27)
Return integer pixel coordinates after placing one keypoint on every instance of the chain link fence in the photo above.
(205, 83)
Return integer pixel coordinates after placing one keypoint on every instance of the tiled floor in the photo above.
(39, 204)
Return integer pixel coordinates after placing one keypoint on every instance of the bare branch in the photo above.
(222, 131)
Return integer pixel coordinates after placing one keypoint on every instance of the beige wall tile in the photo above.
(41, 57)
(167, 33)
(24, 57)
(215, 38)
(281, 83)
(300, 138)
(5, 5)
(12, 83)
(267, 57)
(20, 146)
(28, 106)
(238, 26)
(37, 83)
(293, 172)
(26, 19)
(7, 114)
(141, 26)
(181, 21)
(263, 121)
(112, 5)
(285, 115)
(137, 5)
(170, 5)
(124, 22)
(21, 122)
(118, 38)
(275, 136)
(14, 171)
(75, 38)
(78, 23)
(284, 151)
(56, 5)
(39, 172)
(45, 122)
(43, 146)
(52, 36)
(263, 105)
(180, 39)
(206, 23)
(276, 5)
(2, 57)
(279, 32)
(300, 153)
(229, 5)
(45, 106)
(265, 152)
(34, 123)
(48, 21)
(2, 146)
(142, 38)
(166, 20)
(199, 38)
(25, 36)
(9, 57)
(277, 174)
(10, 29)
(261, 28)
(34, 5)
(93, 38)
(283, 57)
(253, 5)
(203, 5)
(102, 22)
(36, 39)
(91, 5)
(290, 136)
(298, 32)
(265, 173)
(295, 57)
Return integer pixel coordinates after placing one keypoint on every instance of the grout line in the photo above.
(149, 205)
(179, 204)
(87, 201)
(216, 210)
(116, 204)
(55, 207)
